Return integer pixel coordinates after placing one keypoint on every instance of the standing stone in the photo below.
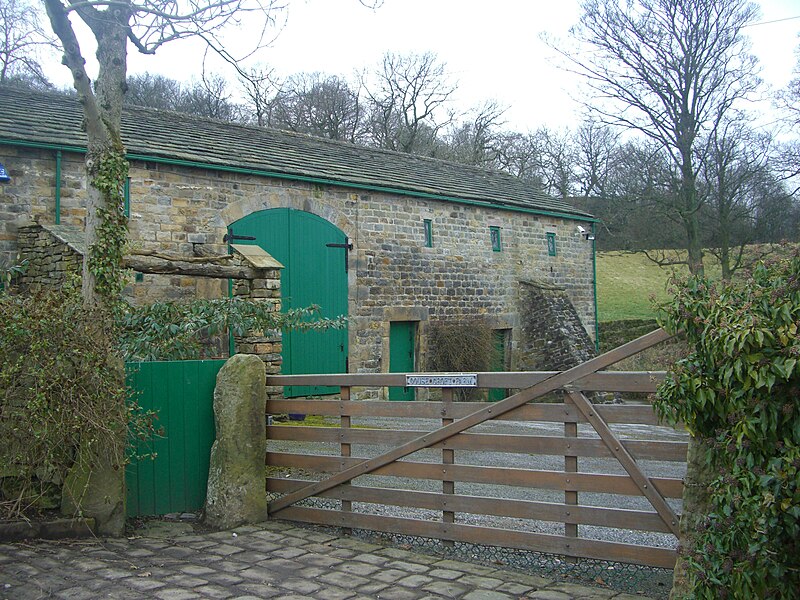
(237, 475)
(95, 488)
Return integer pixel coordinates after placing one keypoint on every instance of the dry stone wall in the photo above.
(49, 258)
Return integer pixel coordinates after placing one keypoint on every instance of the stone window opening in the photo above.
(497, 244)
(428, 228)
(551, 244)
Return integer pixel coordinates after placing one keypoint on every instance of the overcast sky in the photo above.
(492, 48)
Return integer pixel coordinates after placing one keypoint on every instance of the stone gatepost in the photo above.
(236, 477)
(266, 345)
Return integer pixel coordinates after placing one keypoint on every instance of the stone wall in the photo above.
(394, 276)
(54, 252)
(51, 256)
(30, 195)
(267, 345)
(553, 338)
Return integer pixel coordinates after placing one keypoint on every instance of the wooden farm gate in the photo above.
(420, 459)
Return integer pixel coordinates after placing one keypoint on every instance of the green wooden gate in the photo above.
(315, 256)
(402, 351)
(182, 393)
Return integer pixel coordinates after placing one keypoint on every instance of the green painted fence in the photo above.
(182, 393)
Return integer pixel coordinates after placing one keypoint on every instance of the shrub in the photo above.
(738, 392)
(466, 346)
(60, 391)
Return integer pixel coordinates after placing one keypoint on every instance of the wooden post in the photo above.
(347, 505)
(448, 458)
(570, 466)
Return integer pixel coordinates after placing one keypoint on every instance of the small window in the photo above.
(551, 244)
(428, 233)
(497, 244)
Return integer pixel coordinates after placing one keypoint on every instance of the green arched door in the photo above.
(315, 273)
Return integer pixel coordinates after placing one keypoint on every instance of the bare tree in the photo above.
(154, 91)
(733, 177)
(147, 24)
(597, 149)
(787, 156)
(407, 101)
(557, 161)
(670, 69)
(210, 97)
(260, 85)
(319, 105)
(22, 40)
(521, 155)
(476, 139)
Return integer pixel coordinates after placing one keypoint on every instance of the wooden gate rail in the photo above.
(555, 412)
(540, 389)
(619, 518)
(549, 480)
(507, 538)
(486, 442)
(602, 381)
(453, 437)
(627, 461)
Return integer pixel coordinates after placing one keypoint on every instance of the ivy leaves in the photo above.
(174, 330)
(105, 255)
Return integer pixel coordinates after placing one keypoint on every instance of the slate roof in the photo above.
(55, 119)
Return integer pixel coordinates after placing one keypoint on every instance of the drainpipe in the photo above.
(594, 284)
(231, 341)
(58, 187)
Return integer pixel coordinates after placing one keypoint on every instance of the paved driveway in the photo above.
(272, 560)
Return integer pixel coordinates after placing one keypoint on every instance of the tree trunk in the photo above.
(696, 505)
(691, 208)
(100, 479)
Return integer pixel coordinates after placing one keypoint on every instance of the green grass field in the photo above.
(626, 282)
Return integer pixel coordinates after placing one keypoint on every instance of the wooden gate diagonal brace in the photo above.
(627, 461)
(551, 384)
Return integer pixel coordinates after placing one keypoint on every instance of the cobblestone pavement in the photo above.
(271, 560)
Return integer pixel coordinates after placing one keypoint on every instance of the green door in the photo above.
(314, 273)
(402, 338)
(499, 361)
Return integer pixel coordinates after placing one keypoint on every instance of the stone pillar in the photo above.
(236, 476)
(266, 345)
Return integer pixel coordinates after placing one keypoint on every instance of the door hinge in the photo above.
(348, 246)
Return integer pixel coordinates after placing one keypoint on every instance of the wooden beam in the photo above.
(157, 265)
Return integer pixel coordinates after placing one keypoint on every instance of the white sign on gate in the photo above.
(445, 380)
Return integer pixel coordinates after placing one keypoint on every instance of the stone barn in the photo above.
(394, 241)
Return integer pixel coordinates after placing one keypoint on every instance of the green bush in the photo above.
(738, 392)
(60, 390)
